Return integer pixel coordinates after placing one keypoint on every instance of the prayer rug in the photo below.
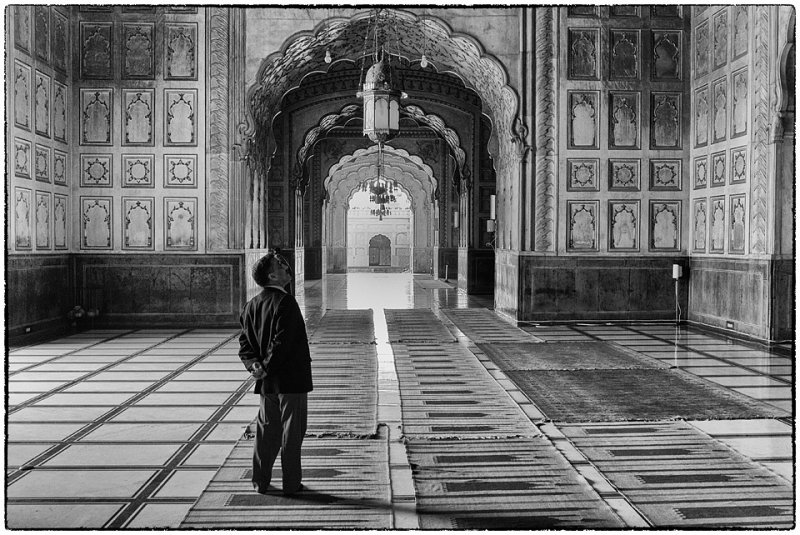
(416, 326)
(344, 327)
(484, 326)
(566, 356)
(610, 395)
(433, 284)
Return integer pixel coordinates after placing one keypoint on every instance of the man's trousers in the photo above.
(281, 425)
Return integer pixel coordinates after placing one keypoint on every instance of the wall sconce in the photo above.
(456, 219)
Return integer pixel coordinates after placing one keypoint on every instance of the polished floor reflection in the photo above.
(144, 428)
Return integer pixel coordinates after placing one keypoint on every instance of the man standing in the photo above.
(274, 348)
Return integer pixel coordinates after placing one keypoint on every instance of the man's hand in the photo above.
(258, 371)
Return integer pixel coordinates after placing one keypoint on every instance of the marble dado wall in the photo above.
(40, 292)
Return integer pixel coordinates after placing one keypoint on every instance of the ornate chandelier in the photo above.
(381, 191)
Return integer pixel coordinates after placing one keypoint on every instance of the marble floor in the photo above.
(127, 429)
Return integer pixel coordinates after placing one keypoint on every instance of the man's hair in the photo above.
(265, 265)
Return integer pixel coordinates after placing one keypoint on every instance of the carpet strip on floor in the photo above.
(416, 326)
(484, 326)
(680, 478)
(566, 356)
(344, 327)
(521, 483)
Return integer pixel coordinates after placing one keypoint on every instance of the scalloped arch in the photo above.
(391, 155)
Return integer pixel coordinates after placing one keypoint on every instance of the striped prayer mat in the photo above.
(514, 483)
(679, 478)
(636, 394)
(484, 326)
(344, 327)
(566, 356)
(416, 326)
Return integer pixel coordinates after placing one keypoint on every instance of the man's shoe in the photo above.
(261, 489)
(300, 488)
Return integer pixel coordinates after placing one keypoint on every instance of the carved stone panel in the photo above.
(583, 54)
(59, 112)
(623, 226)
(701, 49)
(23, 219)
(137, 224)
(701, 172)
(138, 50)
(181, 52)
(41, 21)
(740, 23)
(22, 27)
(739, 91)
(720, 22)
(96, 223)
(22, 158)
(583, 11)
(624, 175)
(96, 116)
(738, 220)
(717, 222)
(583, 174)
(60, 167)
(60, 221)
(624, 120)
(665, 175)
(180, 227)
(182, 9)
(666, 11)
(625, 54)
(276, 232)
(137, 116)
(41, 163)
(275, 198)
(96, 170)
(718, 169)
(42, 220)
(97, 45)
(665, 225)
(583, 125)
(699, 226)
(60, 39)
(22, 95)
(180, 171)
(719, 91)
(665, 125)
(42, 104)
(625, 11)
(582, 228)
(137, 170)
(739, 165)
(701, 116)
(180, 125)
(667, 55)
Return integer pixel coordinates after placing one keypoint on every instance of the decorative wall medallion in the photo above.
(739, 92)
(718, 169)
(583, 175)
(719, 90)
(701, 50)
(97, 44)
(60, 221)
(180, 171)
(23, 219)
(625, 54)
(138, 225)
(665, 126)
(720, 38)
(137, 116)
(739, 165)
(701, 172)
(42, 220)
(41, 159)
(181, 52)
(96, 116)
(582, 11)
(623, 225)
(59, 112)
(699, 225)
(583, 53)
(22, 95)
(701, 115)
(740, 23)
(623, 175)
(96, 223)
(582, 225)
(738, 219)
(623, 124)
(583, 125)
(22, 158)
(180, 126)
(665, 12)
(22, 27)
(625, 11)
(138, 50)
(137, 170)
(717, 242)
(179, 225)
(665, 225)
(60, 39)
(96, 170)
(60, 167)
(41, 20)
(665, 175)
(42, 104)
(667, 55)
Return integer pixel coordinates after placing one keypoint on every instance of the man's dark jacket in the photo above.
(274, 333)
